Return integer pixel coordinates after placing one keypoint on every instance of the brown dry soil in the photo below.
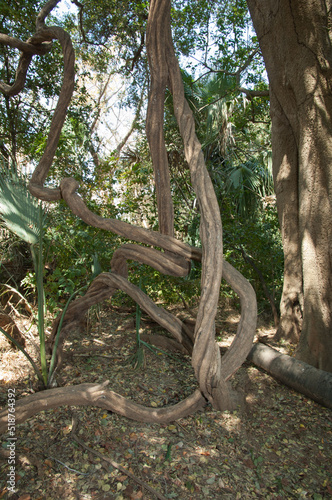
(278, 444)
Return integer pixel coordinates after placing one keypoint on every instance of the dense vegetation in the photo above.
(106, 173)
(226, 88)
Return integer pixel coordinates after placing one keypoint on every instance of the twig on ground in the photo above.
(100, 342)
(181, 427)
(190, 311)
(146, 389)
(91, 355)
(70, 468)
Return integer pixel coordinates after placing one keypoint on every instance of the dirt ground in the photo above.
(276, 445)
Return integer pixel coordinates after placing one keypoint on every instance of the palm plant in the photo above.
(237, 165)
(216, 101)
(24, 216)
(249, 183)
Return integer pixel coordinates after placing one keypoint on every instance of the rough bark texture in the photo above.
(211, 370)
(295, 38)
(286, 186)
(304, 378)
(156, 39)
(98, 395)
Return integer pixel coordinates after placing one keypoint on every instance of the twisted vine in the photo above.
(211, 370)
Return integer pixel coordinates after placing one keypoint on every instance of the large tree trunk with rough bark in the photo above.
(295, 39)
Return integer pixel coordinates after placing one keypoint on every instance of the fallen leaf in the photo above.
(249, 463)
(137, 496)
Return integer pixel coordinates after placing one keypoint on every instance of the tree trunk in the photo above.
(304, 378)
(295, 39)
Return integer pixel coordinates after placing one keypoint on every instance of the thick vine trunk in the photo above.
(211, 370)
(156, 38)
(295, 39)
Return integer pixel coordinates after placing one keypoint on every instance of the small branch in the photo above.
(213, 102)
(183, 195)
(101, 95)
(236, 73)
(80, 17)
(133, 125)
(22, 298)
(95, 354)
(27, 48)
(254, 93)
(44, 12)
(146, 389)
(212, 70)
(69, 468)
(191, 312)
(138, 52)
(244, 66)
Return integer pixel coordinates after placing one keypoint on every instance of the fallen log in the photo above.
(306, 379)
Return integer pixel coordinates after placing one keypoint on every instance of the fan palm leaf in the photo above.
(19, 210)
(23, 215)
(249, 183)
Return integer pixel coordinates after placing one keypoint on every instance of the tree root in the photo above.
(97, 395)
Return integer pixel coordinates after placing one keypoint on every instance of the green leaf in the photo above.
(19, 210)
(96, 267)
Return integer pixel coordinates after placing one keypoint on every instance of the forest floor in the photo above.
(276, 445)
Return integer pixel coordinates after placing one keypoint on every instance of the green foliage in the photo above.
(19, 209)
(248, 184)
(75, 252)
(25, 217)
(134, 175)
(219, 50)
(259, 237)
(166, 289)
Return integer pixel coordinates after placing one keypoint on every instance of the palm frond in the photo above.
(19, 210)
(249, 183)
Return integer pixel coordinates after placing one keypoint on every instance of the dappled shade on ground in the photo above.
(277, 444)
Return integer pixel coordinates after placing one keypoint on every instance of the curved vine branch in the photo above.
(211, 370)
(156, 39)
(98, 395)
